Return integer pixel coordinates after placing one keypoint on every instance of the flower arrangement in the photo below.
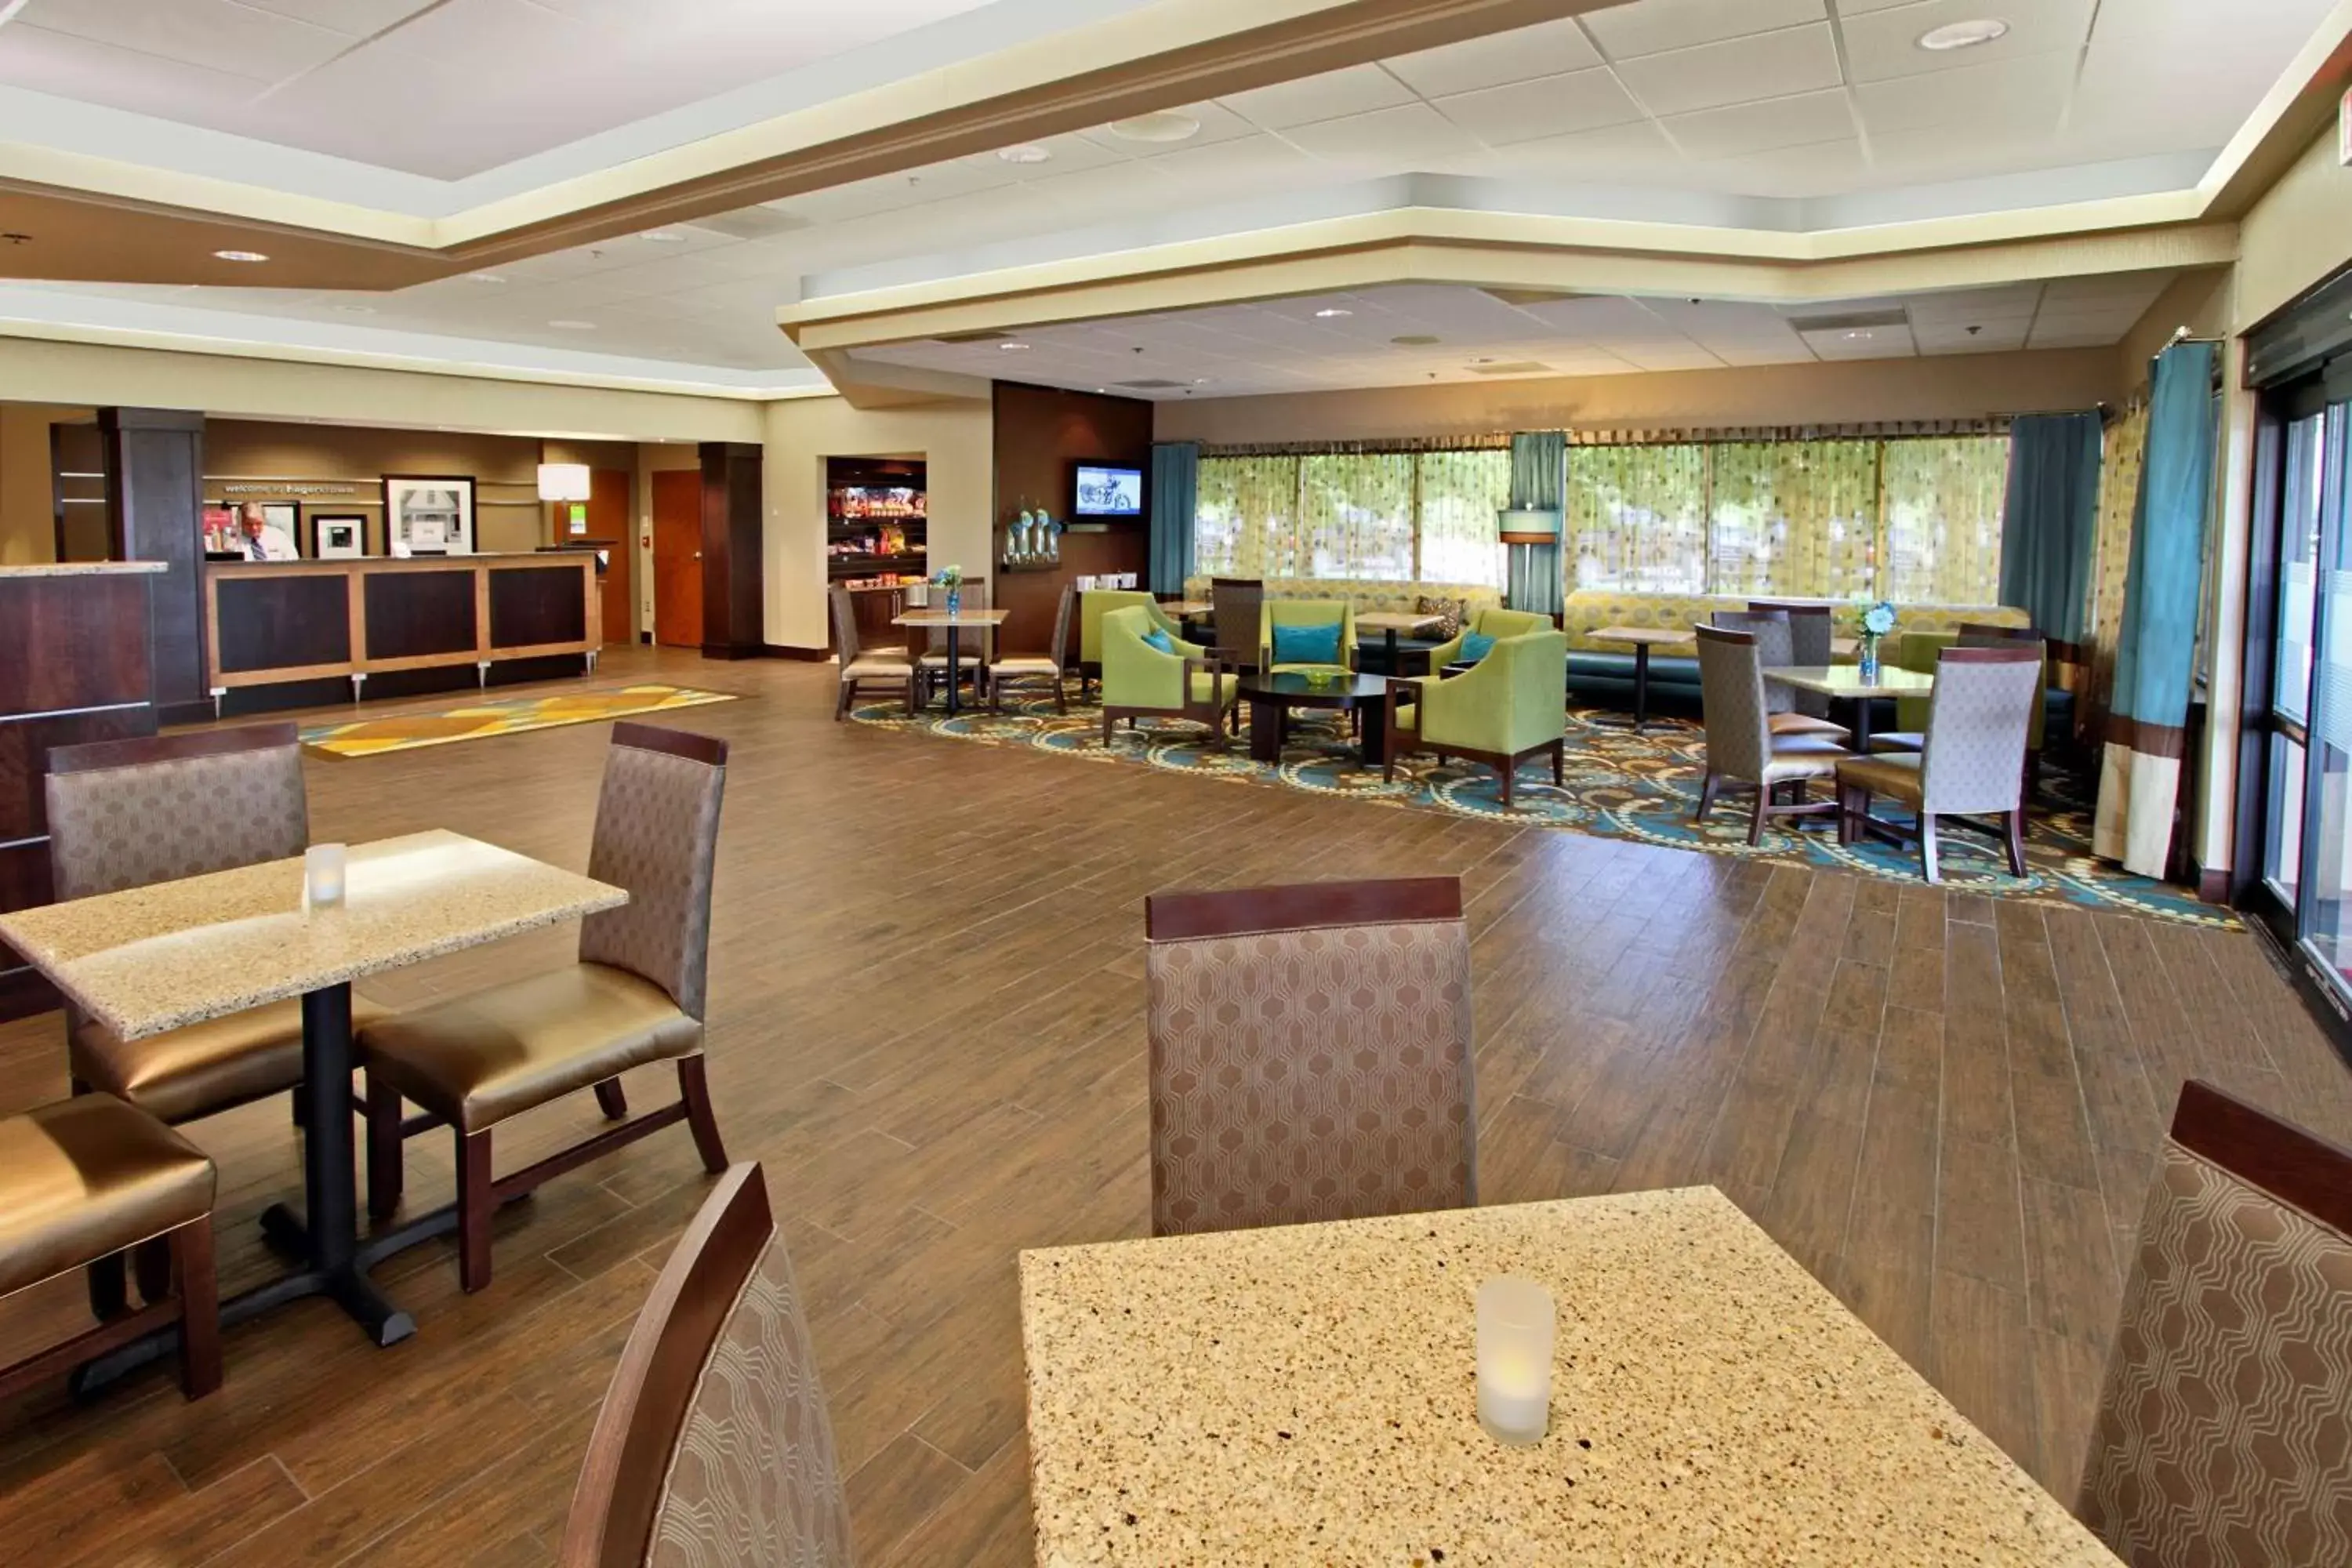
(951, 579)
(1876, 622)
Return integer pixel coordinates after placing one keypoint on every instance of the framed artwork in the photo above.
(286, 517)
(338, 536)
(428, 512)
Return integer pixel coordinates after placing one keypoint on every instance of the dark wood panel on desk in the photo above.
(25, 745)
(154, 462)
(275, 623)
(410, 614)
(23, 885)
(1040, 431)
(733, 617)
(74, 642)
(532, 606)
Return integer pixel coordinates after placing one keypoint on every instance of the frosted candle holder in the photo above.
(1516, 1321)
(322, 874)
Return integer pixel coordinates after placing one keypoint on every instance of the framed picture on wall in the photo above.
(338, 536)
(286, 517)
(428, 512)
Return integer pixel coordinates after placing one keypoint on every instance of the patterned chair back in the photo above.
(1812, 635)
(2222, 1437)
(1978, 715)
(1310, 1054)
(1236, 604)
(657, 836)
(1059, 649)
(972, 642)
(1776, 649)
(844, 625)
(713, 1448)
(123, 814)
(1731, 688)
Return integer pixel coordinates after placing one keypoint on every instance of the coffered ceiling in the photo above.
(1702, 120)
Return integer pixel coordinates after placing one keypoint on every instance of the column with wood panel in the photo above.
(733, 616)
(155, 463)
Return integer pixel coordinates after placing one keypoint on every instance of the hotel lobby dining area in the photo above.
(997, 781)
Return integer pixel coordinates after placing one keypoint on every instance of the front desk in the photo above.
(270, 621)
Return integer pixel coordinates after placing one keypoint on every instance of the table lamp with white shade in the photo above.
(567, 482)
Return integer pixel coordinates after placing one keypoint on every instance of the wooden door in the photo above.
(677, 557)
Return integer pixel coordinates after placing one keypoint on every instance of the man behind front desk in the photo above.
(263, 540)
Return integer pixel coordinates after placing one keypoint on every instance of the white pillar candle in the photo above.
(1515, 1346)
(322, 874)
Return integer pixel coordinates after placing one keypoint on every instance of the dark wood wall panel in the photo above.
(1039, 432)
(532, 606)
(82, 648)
(25, 746)
(410, 614)
(268, 622)
(154, 462)
(734, 619)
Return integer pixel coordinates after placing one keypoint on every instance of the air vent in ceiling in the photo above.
(753, 223)
(1531, 296)
(1850, 322)
(1152, 384)
(987, 337)
(1512, 367)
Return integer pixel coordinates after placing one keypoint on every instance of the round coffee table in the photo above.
(1272, 697)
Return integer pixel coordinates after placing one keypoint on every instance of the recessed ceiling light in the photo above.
(1963, 35)
(568, 324)
(484, 277)
(663, 236)
(354, 309)
(1200, 380)
(239, 255)
(1027, 153)
(1329, 312)
(1858, 334)
(1160, 125)
(1013, 348)
(1413, 341)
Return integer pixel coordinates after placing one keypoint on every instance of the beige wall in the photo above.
(956, 439)
(2299, 232)
(27, 516)
(1958, 386)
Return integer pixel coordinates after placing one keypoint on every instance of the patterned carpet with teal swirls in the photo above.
(1619, 785)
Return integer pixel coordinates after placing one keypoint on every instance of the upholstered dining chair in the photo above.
(1237, 608)
(1973, 762)
(1510, 706)
(1776, 649)
(975, 644)
(90, 1178)
(2221, 1439)
(1812, 639)
(634, 996)
(1142, 681)
(1740, 745)
(1051, 667)
(1923, 649)
(1094, 605)
(888, 667)
(1310, 1054)
(713, 1448)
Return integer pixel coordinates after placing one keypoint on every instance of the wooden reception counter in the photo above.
(273, 621)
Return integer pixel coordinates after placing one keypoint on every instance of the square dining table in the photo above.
(1843, 682)
(954, 623)
(147, 960)
(1305, 1394)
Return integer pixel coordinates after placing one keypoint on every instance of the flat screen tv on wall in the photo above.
(1105, 491)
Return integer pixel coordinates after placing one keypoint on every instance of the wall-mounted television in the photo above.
(1105, 490)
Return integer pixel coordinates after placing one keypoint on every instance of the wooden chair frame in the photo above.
(1222, 715)
(844, 620)
(617, 1501)
(189, 1297)
(1852, 805)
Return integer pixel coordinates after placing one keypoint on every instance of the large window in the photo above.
(1367, 516)
(1913, 520)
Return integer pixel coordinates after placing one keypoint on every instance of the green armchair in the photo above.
(1139, 681)
(1096, 603)
(1510, 705)
(1494, 622)
(1306, 613)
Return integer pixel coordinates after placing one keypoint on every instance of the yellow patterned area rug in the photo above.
(499, 716)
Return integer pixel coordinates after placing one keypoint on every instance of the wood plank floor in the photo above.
(926, 993)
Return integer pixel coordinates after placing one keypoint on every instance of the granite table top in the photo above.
(84, 569)
(1305, 1394)
(1846, 680)
(161, 957)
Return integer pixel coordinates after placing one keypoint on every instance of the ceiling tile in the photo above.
(2167, 94)
(1617, 152)
(1551, 49)
(1358, 89)
(2026, 95)
(1770, 65)
(1385, 138)
(1863, 343)
(1983, 337)
(1760, 127)
(1962, 307)
(356, 18)
(1817, 169)
(209, 33)
(1553, 106)
(1885, 43)
(1654, 26)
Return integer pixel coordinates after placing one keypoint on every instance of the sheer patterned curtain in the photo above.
(1942, 503)
(1246, 504)
(1355, 517)
(1461, 492)
(2127, 445)
(1637, 518)
(1795, 517)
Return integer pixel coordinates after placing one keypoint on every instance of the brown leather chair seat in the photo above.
(88, 1176)
(479, 1058)
(1895, 776)
(192, 1072)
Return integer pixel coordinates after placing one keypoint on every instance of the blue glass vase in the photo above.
(955, 600)
(1870, 661)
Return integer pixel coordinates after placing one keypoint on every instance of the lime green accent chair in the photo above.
(1094, 605)
(1494, 622)
(1510, 705)
(1306, 613)
(1139, 681)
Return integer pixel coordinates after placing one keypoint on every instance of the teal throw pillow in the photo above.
(1307, 644)
(1475, 646)
(1158, 639)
